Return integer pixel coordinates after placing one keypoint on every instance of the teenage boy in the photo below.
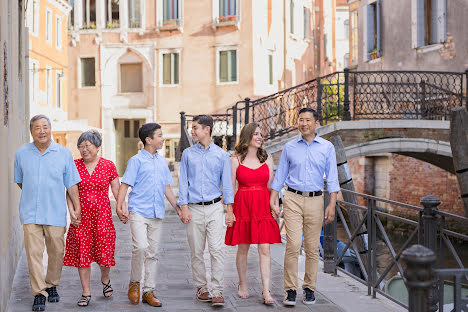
(302, 164)
(148, 175)
(204, 168)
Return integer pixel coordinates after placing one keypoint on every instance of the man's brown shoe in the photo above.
(151, 299)
(217, 300)
(134, 292)
(203, 294)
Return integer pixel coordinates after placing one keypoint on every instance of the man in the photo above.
(203, 168)
(43, 169)
(302, 165)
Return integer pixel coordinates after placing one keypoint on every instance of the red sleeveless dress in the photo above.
(254, 223)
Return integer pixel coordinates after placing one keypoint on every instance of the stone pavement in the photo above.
(174, 282)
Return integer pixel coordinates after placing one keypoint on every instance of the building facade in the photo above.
(146, 60)
(14, 132)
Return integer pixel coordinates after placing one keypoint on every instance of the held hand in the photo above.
(78, 215)
(185, 215)
(230, 218)
(329, 214)
(178, 210)
(73, 219)
(275, 212)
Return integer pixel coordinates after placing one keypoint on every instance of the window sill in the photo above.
(87, 88)
(374, 61)
(225, 23)
(429, 48)
(227, 83)
(129, 93)
(162, 85)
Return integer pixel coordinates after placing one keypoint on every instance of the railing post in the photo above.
(234, 125)
(424, 109)
(419, 277)
(466, 89)
(182, 123)
(329, 239)
(430, 204)
(319, 101)
(346, 113)
(247, 107)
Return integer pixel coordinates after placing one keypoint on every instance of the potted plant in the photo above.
(373, 53)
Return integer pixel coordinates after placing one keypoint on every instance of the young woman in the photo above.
(252, 222)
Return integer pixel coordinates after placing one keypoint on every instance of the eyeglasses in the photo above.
(84, 146)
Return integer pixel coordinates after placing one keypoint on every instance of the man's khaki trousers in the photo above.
(34, 236)
(302, 215)
(207, 226)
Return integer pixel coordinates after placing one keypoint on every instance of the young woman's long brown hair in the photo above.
(245, 138)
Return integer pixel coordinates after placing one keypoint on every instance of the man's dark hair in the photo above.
(147, 131)
(309, 110)
(204, 120)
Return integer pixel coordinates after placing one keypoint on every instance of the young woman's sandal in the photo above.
(107, 289)
(268, 300)
(242, 295)
(84, 301)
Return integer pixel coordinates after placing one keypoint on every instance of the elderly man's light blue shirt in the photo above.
(148, 176)
(202, 172)
(303, 165)
(44, 178)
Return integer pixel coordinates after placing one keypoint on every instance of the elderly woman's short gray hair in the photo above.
(37, 117)
(92, 136)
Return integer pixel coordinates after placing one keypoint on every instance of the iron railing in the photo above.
(348, 95)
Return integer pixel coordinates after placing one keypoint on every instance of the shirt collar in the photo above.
(199, 146)
(53, 147)
(148, 154)
(316, 139)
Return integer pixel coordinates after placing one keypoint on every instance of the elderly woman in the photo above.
(94, 239)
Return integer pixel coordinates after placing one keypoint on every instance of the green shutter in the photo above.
(233, 67)
(176, 67)
(167, 68)
(223, 66)
(270, 68)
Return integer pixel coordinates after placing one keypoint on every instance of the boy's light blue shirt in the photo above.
(201, 174)
(302, 166)
(148, 176)
(44, 179)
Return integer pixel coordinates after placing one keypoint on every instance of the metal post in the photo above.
(346, 113)
(182, 124)
(234, 125)
(329, 239)
(319, 102)
(424, 110)
(466, 88)
(419, 276)
(430, 204)
(247, 106)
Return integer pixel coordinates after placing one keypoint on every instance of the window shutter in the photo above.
(420, 22)
(222, 6)
(167, 68)
(223, 66)
(379, 28)
(439, 21)
(175, 9)
(176, 68)
(233, 73)
(291, 16)
(370, 30)
(166, 8)
(232, 7)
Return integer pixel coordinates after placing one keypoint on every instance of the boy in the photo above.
(203, 167)
(148, 175)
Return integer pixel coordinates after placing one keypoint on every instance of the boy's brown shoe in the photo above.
(203, 294)
(217, 300)
(134, 292)
(151, 299)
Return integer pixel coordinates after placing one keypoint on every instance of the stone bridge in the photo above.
(426, 140)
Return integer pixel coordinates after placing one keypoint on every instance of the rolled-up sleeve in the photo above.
(226, 181)
(71, 175)
(18, 171)
(130, 174)
(282, 171)
(331, 171)
(183, 180)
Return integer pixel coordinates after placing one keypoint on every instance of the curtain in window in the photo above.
(134, 11)
(227, 7)
(170, 9)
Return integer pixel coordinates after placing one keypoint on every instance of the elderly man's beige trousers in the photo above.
(302, 216)
(34, 236)
(207, 225)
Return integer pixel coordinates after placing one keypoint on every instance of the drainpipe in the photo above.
(284, 44)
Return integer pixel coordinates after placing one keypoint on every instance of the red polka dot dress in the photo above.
(94, 239)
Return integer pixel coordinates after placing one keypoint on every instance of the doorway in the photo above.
(126, 141)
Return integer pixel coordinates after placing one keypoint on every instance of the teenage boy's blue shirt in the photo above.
(202, 172)
(148, 176)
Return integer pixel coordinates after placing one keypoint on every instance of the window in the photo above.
(306, 23)
(59, 88)
(131, 77)
(353, 51)
(227, 9)
(33, 17)
(89, 14)
(134, 13)
(48, 26)
(228, 66)
(291, 16)
(127, 128)
(226, 13)
(88, 78)
(33, 81)
(373, 37)
(112, 13)
(136, 127)
(170, 11)
(346, 29)
(58, 33)
(170, 69)
(270, 69)
(431, 19)
(48, 73)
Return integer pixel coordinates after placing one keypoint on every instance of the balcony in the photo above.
(170, 24)
(228, 20)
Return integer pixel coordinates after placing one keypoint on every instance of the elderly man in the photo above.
(43, 169)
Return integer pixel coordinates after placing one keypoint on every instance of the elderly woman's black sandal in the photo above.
(84, 299)
(107, 288)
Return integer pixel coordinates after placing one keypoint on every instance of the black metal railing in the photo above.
(428, 228)
(348, 95)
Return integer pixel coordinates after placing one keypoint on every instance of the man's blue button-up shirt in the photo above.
(148, 176)
(303, 165)
(44, 178)
(202, 172)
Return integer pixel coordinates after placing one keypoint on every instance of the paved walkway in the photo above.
(174, 286)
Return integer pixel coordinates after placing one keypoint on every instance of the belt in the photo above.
(306, 194)
(211, 202)
(252, 188)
